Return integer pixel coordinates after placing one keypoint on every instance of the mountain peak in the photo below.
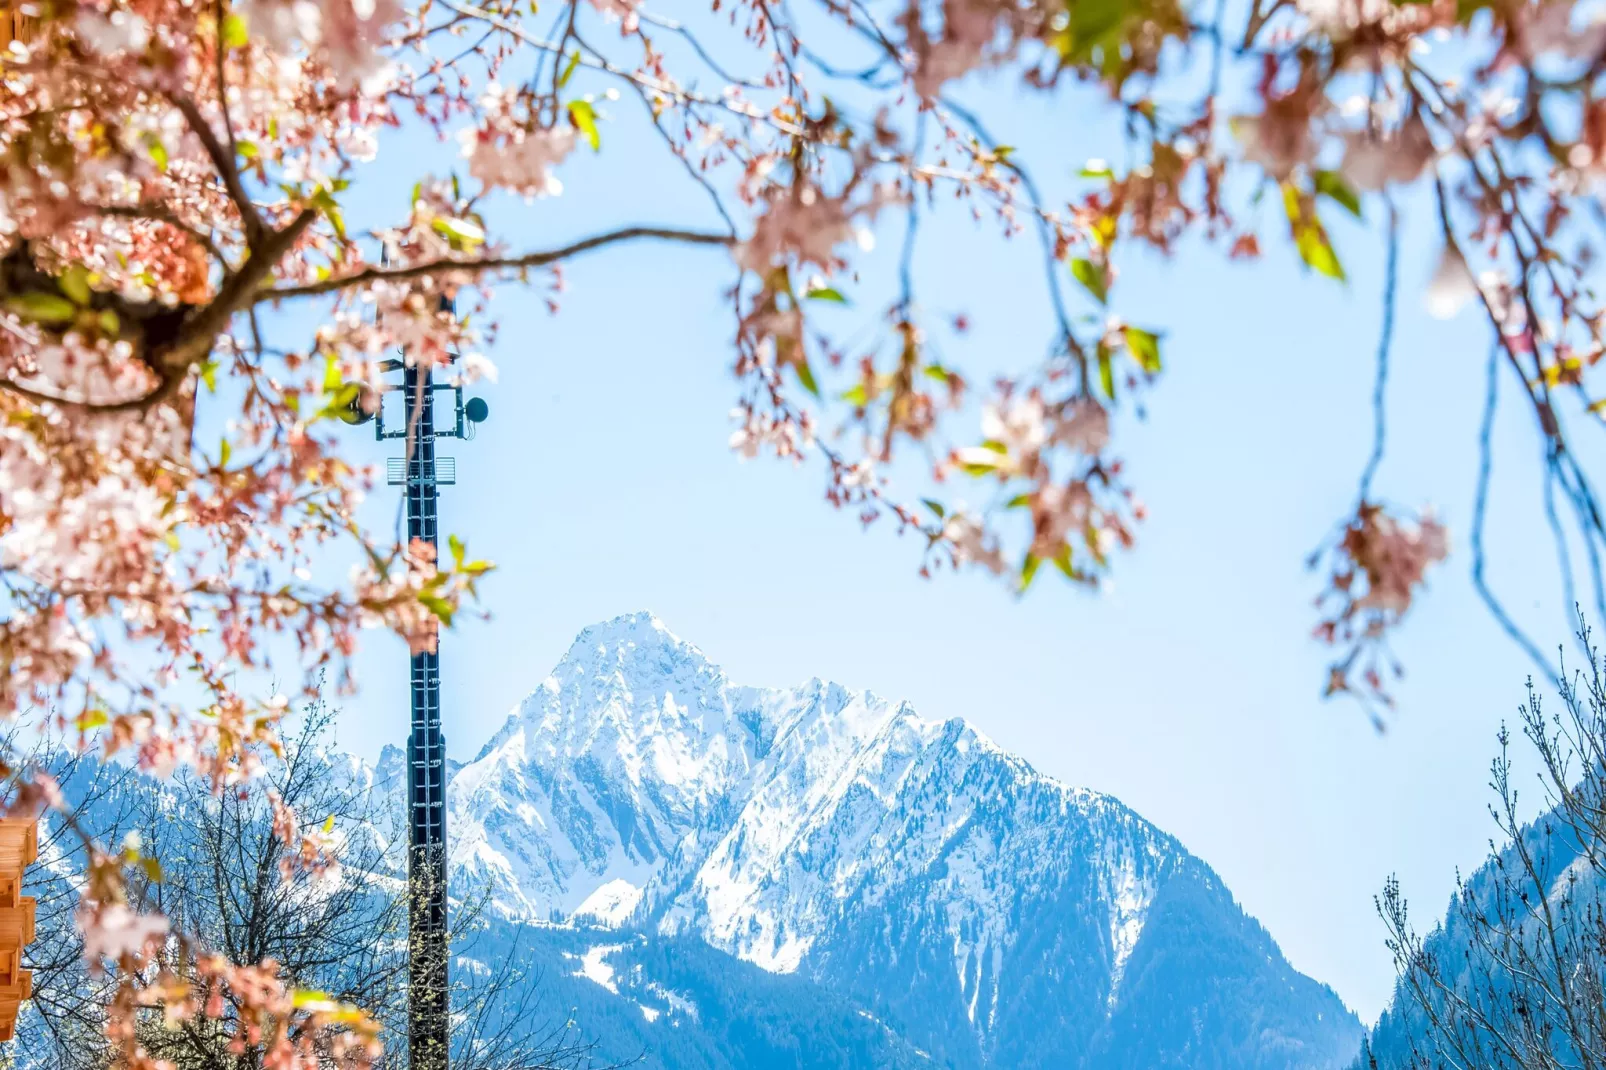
(625, 624)
(632, 641)
(910, 863)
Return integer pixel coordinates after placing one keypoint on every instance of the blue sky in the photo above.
(602, 484)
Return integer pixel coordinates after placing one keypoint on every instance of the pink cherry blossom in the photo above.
(511, 151)
(114, 932)
(1452, 285)
(1084, 427)
(802, 225)
(970, 543)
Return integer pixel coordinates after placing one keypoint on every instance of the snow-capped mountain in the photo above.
(987, 914)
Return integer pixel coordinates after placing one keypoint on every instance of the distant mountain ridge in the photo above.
(984, 913)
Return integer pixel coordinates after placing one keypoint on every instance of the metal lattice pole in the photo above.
(428, 995)
(421, 474)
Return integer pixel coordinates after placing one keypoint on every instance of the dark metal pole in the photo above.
(428, 998)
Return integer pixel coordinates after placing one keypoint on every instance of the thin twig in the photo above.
(494, 263)
(1480, 510)
(1384, 343)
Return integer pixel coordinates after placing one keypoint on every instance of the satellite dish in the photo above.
(476, 410)
(357, 410)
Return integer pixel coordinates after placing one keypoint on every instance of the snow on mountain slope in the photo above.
(634, 742)
(911, 863)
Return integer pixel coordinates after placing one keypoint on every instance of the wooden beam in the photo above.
(19, 848)
(14, 25)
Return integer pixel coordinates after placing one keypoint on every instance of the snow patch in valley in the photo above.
(1129, 908)
(678, 1003)
(594, 966)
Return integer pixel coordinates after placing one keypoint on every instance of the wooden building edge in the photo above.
(19, 847)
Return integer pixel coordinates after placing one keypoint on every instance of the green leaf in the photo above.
(584, 118)
(1092, 21)
(1019, 501)
(1317, 251)
(1097, 169)
(437, 605)
(225, 451)
(568, 71)
(247, 150)
(157, 150)
(1310, 238)
(805, 375)
(937, 372)
(826, 293)
(328, 824)
(331, 375)
(325, 201)
(458, 549)
(1145, 349)
(458, 231)
(1028, 571)
(152, 870)
(1062, 561)
(1106, 371)
(856, 397)
(235, 33)
(1104, 230)
(209, 375)
(42, 307)
(337, 401)
(74, 282)
(109, 324)
(935, 507)
(1333, 185)
(1293, 204)
(328, 1009)
(90, 720)
(1092, 277)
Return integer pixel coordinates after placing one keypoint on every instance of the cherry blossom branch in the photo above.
(1044, 232)
(223, 160)
(697, 46)
(1257, 21)
(596, 62)
(237, 291)
(172, 364)
(158, 214)
(221, 74)
(675, 150)
(432, 268)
